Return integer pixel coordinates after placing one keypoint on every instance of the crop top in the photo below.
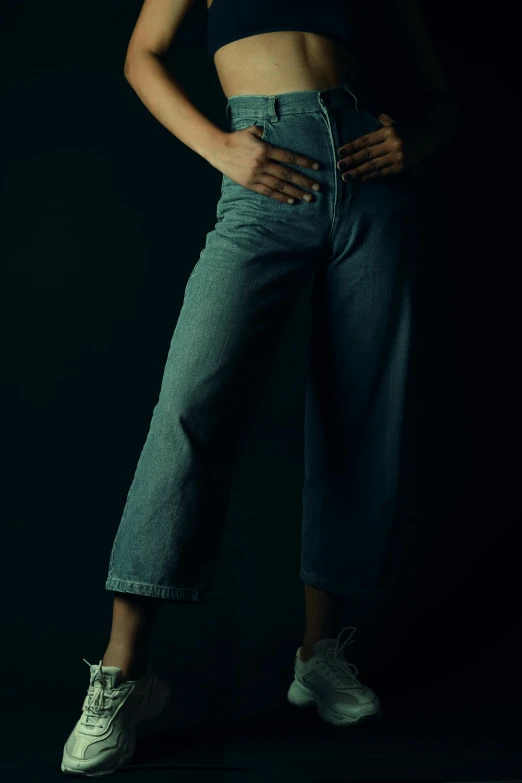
(230, 20)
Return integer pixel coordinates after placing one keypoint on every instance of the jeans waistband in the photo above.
(272, 107)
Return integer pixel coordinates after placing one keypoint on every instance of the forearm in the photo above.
(166, 100)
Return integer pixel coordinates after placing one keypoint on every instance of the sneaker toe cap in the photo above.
(358, 697)
(83, 752)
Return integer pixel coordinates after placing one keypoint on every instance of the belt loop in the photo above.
(271, 108)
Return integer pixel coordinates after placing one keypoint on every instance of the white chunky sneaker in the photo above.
(330, 682)
(104, 737)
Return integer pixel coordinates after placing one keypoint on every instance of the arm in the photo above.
(439, 114)
(159, 91)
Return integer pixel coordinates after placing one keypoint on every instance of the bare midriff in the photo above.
(284, 61)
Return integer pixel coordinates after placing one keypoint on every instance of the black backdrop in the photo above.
(104, 213)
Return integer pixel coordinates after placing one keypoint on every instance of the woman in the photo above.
(296, 105)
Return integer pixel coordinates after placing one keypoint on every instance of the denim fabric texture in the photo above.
(354, 239)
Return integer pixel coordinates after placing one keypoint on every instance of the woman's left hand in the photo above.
(386, 151)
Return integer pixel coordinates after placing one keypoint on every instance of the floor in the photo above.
(217, 730)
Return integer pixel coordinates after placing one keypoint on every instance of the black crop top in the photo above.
(230, 20)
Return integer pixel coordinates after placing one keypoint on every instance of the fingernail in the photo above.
(342, 153)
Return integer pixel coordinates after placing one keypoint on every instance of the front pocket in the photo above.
(195, 267)
(243, 123)
(372, 117)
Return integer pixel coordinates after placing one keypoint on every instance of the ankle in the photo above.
(306, 652)
(134, 673)
(132, 665)
(130, 671)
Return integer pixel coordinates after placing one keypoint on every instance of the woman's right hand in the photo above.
(254, 164)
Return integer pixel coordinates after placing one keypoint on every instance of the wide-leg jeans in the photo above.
(354, 239)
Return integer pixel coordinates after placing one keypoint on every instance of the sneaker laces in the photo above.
(346, 672)
(97, 698)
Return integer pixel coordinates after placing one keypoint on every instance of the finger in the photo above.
(350, 162)
(289, 156)
(386, 119)
(292, 177)
(377, 163)
(277, 195)
(385, 172)
(284, 187)
(375, 137)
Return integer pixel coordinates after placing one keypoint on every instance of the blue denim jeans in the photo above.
(354, 239)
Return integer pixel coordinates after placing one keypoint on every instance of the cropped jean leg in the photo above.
(236, 302)
(355, 395)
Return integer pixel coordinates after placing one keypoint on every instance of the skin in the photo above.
(286, 61)
(272, 63)
(283, 61)
(277, 62)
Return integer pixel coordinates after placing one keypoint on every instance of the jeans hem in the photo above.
(182, 594)
(339, 588)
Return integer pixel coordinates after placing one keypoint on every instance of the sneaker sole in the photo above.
(154, 710)
(302, 697)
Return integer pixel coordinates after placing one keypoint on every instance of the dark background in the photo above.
(104, 213)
